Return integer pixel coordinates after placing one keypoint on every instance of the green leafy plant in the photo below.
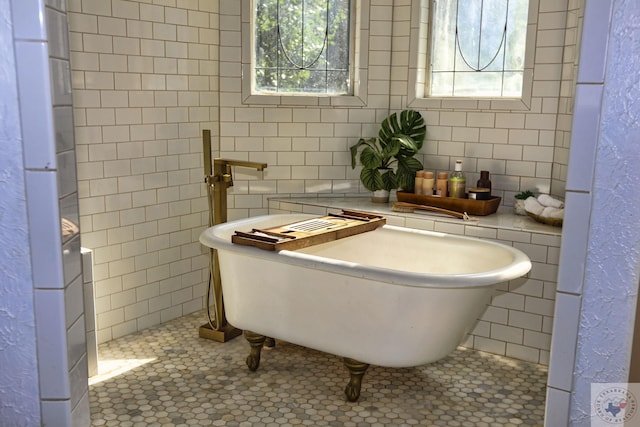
(387, 160)
(524, 195)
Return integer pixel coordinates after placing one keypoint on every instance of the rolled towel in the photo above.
(532, 205)
(550, 212)
(547, 200)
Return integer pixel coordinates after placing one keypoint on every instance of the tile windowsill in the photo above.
(504, 218)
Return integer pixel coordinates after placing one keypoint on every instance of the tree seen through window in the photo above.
(302, 46)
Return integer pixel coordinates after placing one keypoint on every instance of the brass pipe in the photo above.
(220, 180)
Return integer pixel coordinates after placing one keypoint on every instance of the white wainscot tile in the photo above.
(76, 342)
(73, 301)
(557, 407)
(67, 179)
(60, 81)
(506, 333)
(57, 34)
(508, 300)
(44, 226)
(537, 340)
(81, 414)
(573, 251)
(69, 212)
(522, 352)
(446, 227)
(52, 344)
(536, 253)
(586, 120)
(28, 19)
(72, 261)
(57, 413)
(563, 342)
(79, 381)
(520, 319)
(35, 106)
(63, 125)
(597, 19)
(539, 306)
(57, 4)
(489, 345)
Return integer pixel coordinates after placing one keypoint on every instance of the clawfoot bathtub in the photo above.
(394, 297)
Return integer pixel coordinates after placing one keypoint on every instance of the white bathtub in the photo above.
(394, 297)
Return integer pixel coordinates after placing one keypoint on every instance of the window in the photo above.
(302, 47)
(478, 48)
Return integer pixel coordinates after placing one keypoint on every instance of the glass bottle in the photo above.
(458, 182)
(484, 181)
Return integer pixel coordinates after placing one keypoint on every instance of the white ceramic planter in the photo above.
(380, 196)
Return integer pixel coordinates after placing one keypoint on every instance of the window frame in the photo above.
(359, 74)
(419, 68)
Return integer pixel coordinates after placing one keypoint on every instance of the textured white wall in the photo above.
(600, 256)
(19, 396)
(613, 255)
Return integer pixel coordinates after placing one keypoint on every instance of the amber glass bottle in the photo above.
(484, 181)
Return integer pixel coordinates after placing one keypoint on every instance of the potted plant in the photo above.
(518, 206)
(387, 160)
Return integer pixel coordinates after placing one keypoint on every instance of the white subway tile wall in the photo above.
(144, 86)
(149, 76)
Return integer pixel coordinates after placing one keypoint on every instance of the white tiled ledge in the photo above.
(504, 219)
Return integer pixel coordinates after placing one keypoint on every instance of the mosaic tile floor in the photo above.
(168, 376)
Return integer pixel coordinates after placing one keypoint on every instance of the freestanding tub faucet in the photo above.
(217, 183)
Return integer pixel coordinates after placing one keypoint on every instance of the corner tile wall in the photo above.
(44, 89)
(144, 87)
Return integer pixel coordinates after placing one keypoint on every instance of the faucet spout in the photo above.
(243, 163)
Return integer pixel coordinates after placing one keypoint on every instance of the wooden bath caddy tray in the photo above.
(310, 232)
(470, 206)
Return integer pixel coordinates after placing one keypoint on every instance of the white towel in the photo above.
(550, 212)
(548, 201)
(532, 205)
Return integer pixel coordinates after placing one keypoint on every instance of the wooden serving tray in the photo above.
(470, 206)
(310, 232)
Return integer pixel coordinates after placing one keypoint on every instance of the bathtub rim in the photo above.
(520, 266)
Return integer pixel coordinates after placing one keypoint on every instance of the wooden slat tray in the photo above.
(310, 232)
(470, 206)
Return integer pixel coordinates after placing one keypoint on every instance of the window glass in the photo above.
(478, 48)
(302, 47)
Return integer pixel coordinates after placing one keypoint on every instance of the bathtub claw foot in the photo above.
(270, 342)
(256, 341)
(357, 371)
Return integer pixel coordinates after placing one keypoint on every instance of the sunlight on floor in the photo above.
(108, 369)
